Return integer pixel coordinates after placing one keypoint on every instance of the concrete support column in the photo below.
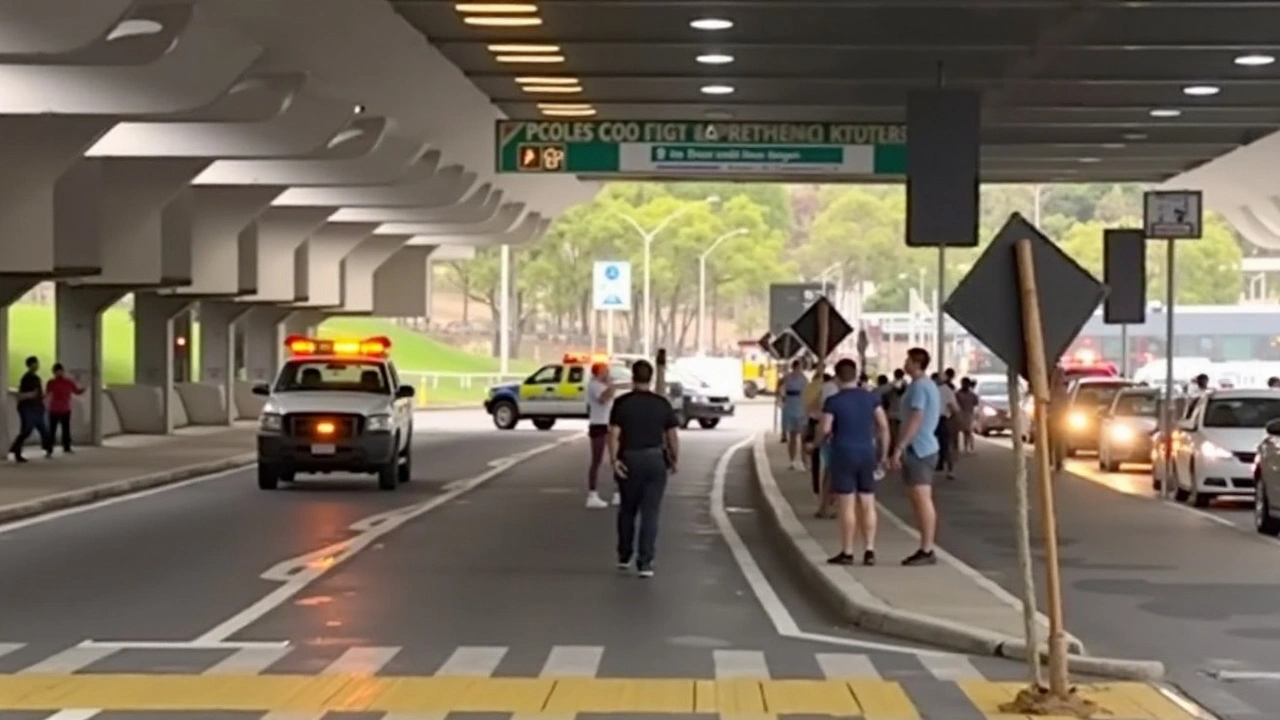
(183, 362)
(153, 340)
(218, 347)
(11, 288)
(78, 336)
(263, 341)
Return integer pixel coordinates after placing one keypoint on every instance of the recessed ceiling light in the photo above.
(563, 106)
(717, 89)
(1088, 159)
(1135, 136)
(1165, 113)
(529, 58)
(715, 59)
(495, 8)
(579, 112)
(359, 109)
(1255, 60)
(1201, 90)
(536, 80)
(502, 21)
(1113, 146)
(718, 115)
(521, 48)
(562, 89)
(711, 24)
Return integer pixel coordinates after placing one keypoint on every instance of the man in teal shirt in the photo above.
(916, 450)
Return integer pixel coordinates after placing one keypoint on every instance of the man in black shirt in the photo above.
(31, 412)
(644, 447)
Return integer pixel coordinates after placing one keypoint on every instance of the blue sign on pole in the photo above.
(611, 285)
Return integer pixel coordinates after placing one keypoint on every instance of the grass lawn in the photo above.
(31, 332)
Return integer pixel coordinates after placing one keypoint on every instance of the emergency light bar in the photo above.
(369, 347)
(584, 358)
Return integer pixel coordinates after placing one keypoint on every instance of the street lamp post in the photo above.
(702, 287)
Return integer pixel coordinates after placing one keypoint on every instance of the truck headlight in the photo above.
(378, 423)
(988, 411)
(271, 422)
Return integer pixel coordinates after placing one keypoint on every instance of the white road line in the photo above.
(740, 664)
(68, 661)
(361, 661)
(6, 648)
(573, 661)
(951, 667)
(248, 661)
(844, 666)
(73, 715)
(297, 573)
(473, 661)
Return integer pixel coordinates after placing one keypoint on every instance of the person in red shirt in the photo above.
(59, 392)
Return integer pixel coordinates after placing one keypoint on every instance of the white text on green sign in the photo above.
(733, 133)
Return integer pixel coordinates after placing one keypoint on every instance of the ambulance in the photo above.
(337, 406)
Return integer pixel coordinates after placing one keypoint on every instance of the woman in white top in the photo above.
(600, 394)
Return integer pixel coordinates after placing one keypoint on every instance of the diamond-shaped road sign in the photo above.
(988, 304)
(785, 345)
(806, 327)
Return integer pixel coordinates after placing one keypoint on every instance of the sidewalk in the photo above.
(125, 464)
(949, 604)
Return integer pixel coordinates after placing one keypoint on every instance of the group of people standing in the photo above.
(848, 435)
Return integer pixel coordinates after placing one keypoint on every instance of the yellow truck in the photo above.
(759, 371)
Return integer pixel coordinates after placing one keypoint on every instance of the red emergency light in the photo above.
(300, 345)
(582, 358)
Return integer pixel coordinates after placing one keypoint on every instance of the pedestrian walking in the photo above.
(644, 447)
(856, 431)
(967, 401)
(600, 392)
(31, 412)
(59, 393)
(793, 416)
(916, 450)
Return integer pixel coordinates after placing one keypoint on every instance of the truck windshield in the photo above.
(333, 375)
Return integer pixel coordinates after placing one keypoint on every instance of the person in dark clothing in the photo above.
(644, 447)
(858, 434)
(31, 412)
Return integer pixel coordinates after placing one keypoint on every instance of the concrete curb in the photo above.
(104, 491)
(867, 611)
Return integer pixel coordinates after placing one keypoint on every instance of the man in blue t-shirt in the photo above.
(856, 432)
(916, 450)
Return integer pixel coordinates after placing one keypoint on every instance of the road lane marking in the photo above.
(6, 648)
(473, 662)
(951, 667)
(248, 661)
(740, 664)
(68, 661)
(846, 666)
(297, 573)
(573, 661)
(363, 661)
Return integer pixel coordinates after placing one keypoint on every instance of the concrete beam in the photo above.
(55, 27)
(481, 205)
(325, 251)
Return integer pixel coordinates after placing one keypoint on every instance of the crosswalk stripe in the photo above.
(573, 661)
(479, 661)
(68, 661)
(842, 666)
(248, 661)
(361, 661)
(740, 664)
(950, 667)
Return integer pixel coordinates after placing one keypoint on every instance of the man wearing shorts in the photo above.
(916, 450)
(600, 394)
(856, 432)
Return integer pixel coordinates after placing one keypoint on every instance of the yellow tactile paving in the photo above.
(738, 698)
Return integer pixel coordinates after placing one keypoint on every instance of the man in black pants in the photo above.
(644, 448)
(31, 412)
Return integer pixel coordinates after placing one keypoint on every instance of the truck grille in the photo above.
(304, 424)
(718, 400)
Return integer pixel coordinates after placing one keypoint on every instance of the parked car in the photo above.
(1126, 428)
(1086, 400)
(1266, 472)
(993, 415)
(1219, 444)
(1183, 407)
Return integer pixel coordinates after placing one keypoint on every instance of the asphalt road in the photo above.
(1142, 577)
(513, 578)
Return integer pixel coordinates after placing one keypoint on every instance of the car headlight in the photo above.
(1121, 434)
(271, 422)
(378, 423)
(1210, 451)
(1077, 421)
(988, 411)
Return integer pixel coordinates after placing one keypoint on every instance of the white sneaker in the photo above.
(798, 466)
(617, 498)
(594, 501)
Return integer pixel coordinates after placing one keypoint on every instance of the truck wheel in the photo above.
(544, 423)
(750, 390)
(267, 478)
(389, 475)
(404, 471)
(505, 415)
(709, 423)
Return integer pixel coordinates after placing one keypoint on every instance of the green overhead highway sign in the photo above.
(675, 149)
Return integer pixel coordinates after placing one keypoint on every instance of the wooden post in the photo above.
(1033, 335)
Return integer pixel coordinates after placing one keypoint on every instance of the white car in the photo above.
(1218, 442)
(336, 406)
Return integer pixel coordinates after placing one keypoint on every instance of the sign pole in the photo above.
(608, 334)
(939, 316)
(1033, 335)
(1022, 527)
(504, 312)
(1169, 486)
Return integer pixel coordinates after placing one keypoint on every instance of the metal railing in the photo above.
(445, 388)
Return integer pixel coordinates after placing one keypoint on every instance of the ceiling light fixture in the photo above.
(1135, 136)
(545, 59)
(1201, 90)
(715, 59)
(536, 80)
(1089, 160)
(582, 112)
(711, 24)
(563, 89)
(563, 106)
(1113, 146)
(359, 109)
(521, 48)
(1165, 113)
(502, 21)
(717, 89)
(1255, 60)
(495, 8)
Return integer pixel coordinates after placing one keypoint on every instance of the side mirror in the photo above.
(261, 388)
(1273, 428)
(405, 392)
